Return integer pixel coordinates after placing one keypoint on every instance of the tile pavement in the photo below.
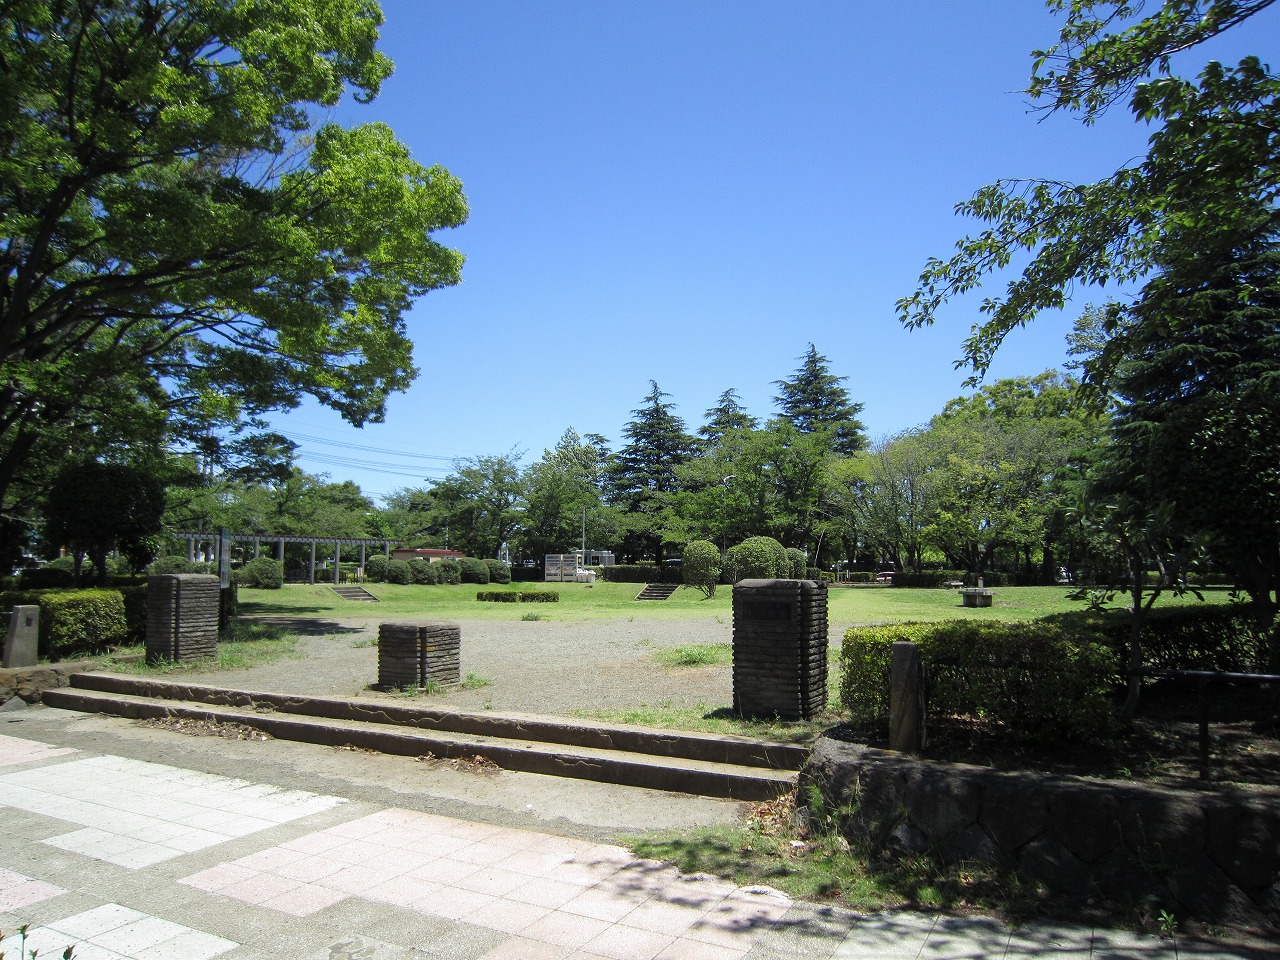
(399, 884)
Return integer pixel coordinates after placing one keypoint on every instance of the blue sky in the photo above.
(692, 193)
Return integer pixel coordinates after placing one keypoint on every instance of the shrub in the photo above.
(473, 570)
(700, 566)
(398, 572)
(819, 576)
(757, 558)
(1036, 680)
(498, 596)
(499, 572)
(539, 596)
(81, 621)
(449, 571)
(169, 565)
(261, 573)
(44, 578)
(135, 612)
(422, 570)
(799, 563)
(375, 568)
(641, 573)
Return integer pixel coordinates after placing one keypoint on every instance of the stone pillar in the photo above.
(906, 698)
(21, 647)
(182, 616)
(780, 648)
(337, 561)
(418, 654)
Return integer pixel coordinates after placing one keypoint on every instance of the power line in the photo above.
(385, 451)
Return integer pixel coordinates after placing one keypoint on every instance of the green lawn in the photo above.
(607, 601)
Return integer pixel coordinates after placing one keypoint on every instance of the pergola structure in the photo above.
(258, 539)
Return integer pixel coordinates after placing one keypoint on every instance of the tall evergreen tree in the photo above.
(728, 414)
(814, 401)
(643, 474)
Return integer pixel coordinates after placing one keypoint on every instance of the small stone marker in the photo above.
(182, 616)
(780, 648)
(21, 646)
(418, 654)
(906, 698)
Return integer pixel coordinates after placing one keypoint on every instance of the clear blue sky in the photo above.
(692, 193)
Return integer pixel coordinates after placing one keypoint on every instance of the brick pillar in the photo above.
(418, 654)
(780, 648)
(182, 616)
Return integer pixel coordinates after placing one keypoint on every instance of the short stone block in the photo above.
(182, 616)
(418, 654)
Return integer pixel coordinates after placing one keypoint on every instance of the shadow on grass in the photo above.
(307, 626)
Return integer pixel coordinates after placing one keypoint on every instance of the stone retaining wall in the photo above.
(1213, 856)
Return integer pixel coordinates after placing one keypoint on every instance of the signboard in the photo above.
(224, 556)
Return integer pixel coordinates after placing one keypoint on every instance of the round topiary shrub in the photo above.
(700, 566)
(474, 570)
(422, 570)
(398, 572)
(799, 563)
(169, 565)
(757, 558)
(375, 568)
(499, 572)
(450, 571)
(261, 573)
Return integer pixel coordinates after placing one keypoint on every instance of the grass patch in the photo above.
(244, 644)
(473, 681)
(721, 720)
(699, 655)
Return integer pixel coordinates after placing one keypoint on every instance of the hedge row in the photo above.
(641, 573)
(1037, 681)
(518, 596)
(381, 569)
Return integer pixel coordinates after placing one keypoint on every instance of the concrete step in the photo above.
(355, 593)
(729, 767)
(657, 591)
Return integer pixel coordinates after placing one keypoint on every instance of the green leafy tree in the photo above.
(478, 506)
(92, 507)
(176, 215)
(564, 498)
(1213, 146)
(814, 401)
(891, 492)
(700, 566)
(644, 474)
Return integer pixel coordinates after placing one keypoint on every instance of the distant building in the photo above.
(426, 553)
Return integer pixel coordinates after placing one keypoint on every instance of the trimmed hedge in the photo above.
(81, 621)
(473, 570)
(422, 570)
(449, 571)
(261, 573)
(700, 566)
(499, 572)
(641, 573)
(799, 564)
(135, 612)
(1221, 637)
(1038, 681)
(168, 565)
(44, 578)
(398, 572)
(518, 596)
(757, 558)
(375, 568)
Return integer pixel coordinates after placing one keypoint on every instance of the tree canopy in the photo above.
(174, 214)
(813, 400)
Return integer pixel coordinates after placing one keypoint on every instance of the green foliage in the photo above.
(814, 402)
(700, 566)
(757, 558)
(398, 572)
(641, 573)
(449, 571)
(135, 612)
(170, 565)
(81, 621)
(375, 568)
(478, 503)
(1037, 681)
(499, 572)
(261, 573)
(539, 596)
(92, 506)
(473, 570)
(518, 596)
(422, 570)
(799, 563)
(38, 578)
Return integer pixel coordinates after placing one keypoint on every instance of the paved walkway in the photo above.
(129, 858)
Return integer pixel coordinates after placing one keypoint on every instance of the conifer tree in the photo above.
(814, 401)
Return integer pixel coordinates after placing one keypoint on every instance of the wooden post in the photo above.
(906, 699)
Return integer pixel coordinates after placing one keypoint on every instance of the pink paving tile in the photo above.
(403, 891)
(316, 843)
(518, 948)
(304, 900)
(353, 852)
(310, 869)
(623, 943)
(697, 890)
(454, 904)
(14, 750)
(357, 829)
(354, 880)
(494, 881)
(533, 863)
(661, 917)
(508, 916)
(693, 950)
(21, 895)
(258, 889)
(606, 853)
(600, 903)
(270, 859)
(483, 853)
(443, 870)
(546, 893)
(474, 831)
(215, 878)
(565, 929)
(584, 872)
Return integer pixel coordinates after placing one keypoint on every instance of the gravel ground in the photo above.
(532, 666)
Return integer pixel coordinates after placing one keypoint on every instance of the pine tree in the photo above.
(728, 414)
(814, 401)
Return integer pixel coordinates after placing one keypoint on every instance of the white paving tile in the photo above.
(125, 821)
(114, 932)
